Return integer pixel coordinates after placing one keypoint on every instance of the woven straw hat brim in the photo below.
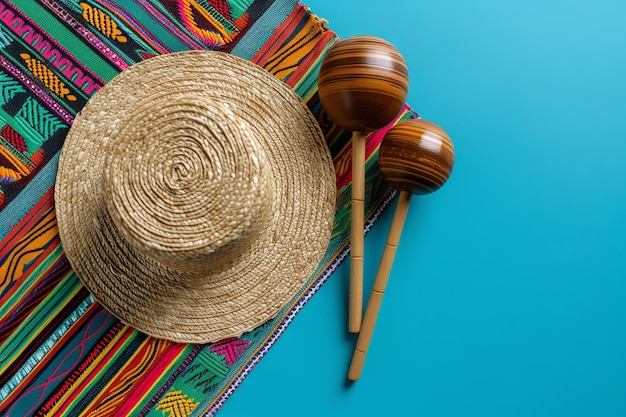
(159, 119)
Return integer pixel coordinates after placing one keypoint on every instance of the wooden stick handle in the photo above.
(355, 307)
(380, 282)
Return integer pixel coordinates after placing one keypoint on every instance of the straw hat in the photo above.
(195, 196)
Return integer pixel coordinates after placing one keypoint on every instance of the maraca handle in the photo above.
(355, 307)
(380, 282)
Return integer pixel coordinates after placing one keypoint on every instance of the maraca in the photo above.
(415, 157)
(362, 84)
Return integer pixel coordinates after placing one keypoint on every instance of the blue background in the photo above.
(508, 293)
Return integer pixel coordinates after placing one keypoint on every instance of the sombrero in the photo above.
(195, 196)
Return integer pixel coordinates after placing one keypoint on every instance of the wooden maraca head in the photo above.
(416, 156)
(363, 83)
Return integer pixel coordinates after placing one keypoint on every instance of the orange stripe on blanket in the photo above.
(128, 379)
(65, 402)
(137, 396)
(16, 165)
(27, 241)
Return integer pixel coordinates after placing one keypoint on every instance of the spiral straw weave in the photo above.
(195, 196)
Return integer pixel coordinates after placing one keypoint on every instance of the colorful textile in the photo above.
(61, 353)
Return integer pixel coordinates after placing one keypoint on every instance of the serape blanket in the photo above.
(61, 353)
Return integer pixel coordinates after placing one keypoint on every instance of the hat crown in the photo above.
(189, 187)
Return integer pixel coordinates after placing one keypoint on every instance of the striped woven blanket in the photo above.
(61, 353)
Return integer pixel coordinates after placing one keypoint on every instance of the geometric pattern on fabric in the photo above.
(61, 353)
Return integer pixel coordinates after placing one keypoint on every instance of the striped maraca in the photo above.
(363, 83)
(415, 157)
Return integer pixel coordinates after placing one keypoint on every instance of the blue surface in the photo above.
(508, 294)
